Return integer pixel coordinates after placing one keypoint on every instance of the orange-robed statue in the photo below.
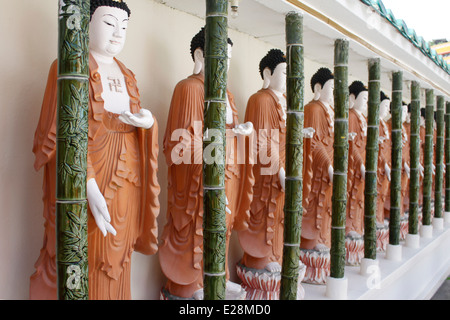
(181, 248)
(384, 172)
(122, 186)
(262, 242)
(317, 179)
(357, 127)
(318, 163)
(357, 155)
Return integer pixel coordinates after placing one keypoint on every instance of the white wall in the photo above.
(157, 51)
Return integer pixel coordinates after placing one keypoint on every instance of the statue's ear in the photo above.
(317, 91)
(267, 75)
(352, 100)
(199, 61)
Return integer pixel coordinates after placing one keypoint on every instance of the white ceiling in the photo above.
(265, 20)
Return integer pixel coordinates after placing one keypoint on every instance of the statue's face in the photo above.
(107, 31)
(384, 108)
(278, 78)
(230, 54)
(361, 102)
(327, 92)
(404, 113)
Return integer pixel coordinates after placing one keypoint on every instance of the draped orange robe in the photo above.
(181, 249)
(383, 183)
(422, 150)
(406, 131)
(123, 161)
(355, 182)
(262, 241)
(317, 186)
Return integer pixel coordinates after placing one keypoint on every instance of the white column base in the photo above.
(394, 252)
(438, 223)
(426, 231)
(412, 241)
(368, 267)
(447, 217)
(337, 288)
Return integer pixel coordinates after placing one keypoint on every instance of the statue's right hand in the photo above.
(99, 208)
(331, 173)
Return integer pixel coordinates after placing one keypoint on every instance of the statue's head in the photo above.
(272, 69)
(198, 51)
(108, 26)
(385, 106)
(359, 96)
(322, 85)
(422, 116)
(405, 111)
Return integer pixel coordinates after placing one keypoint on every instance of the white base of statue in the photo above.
(337, 288)
(426, 231)
(369, 267)
(447, 218)
(438, 224)
(265, 285)
(394, 252)
(412, 241)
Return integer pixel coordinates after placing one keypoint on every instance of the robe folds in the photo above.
(123, 161)
(181, 248)
(262, 241)
(355, 184)
(317, 185)
(421, 159)
(406, 131)
(384, 158)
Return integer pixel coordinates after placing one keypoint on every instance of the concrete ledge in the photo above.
(417, 276)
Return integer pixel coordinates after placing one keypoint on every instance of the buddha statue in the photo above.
(406, 171)
(181, 248)
(262, 241)
(357, 124)
(384, 172)
(317, 179)
(122, 186)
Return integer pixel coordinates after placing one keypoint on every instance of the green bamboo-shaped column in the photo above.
(293, 210)
(340, 161)
(396, 171)
(214, 199)
(372, 148)
(428, 158)
(414, 154)
(438, 180)
(71, 149)
(447, 157)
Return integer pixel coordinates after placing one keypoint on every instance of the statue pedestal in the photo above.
(265, 285)
(354, 245)
(382, 236)
(317, 263)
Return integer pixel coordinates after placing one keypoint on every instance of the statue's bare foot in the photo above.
(273, 267)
